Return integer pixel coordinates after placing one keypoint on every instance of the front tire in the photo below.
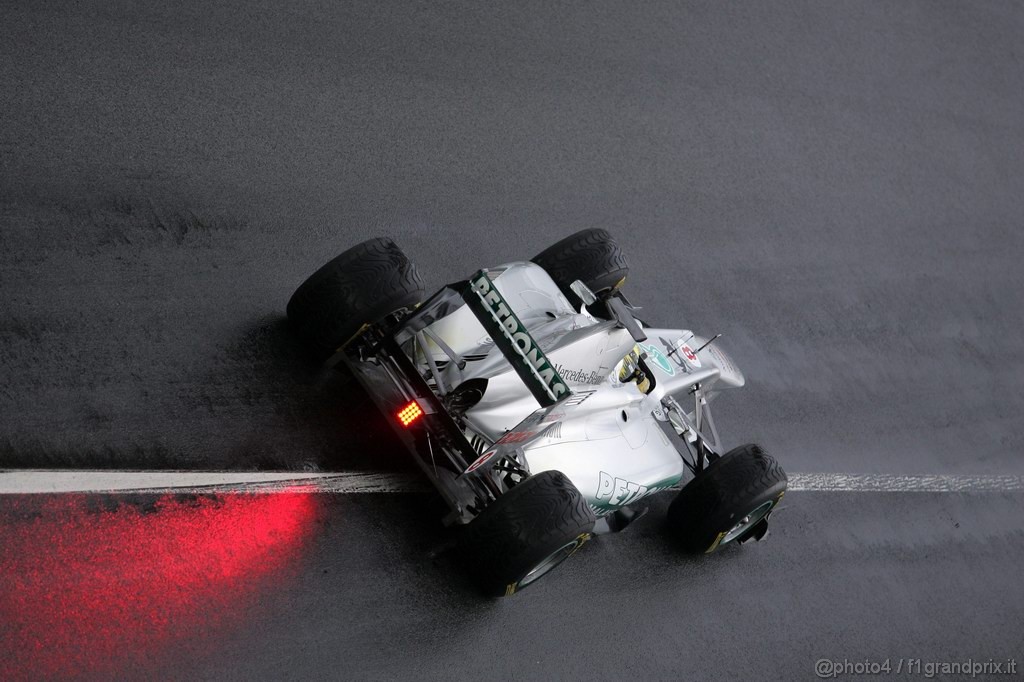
(526, 533)
(591, 256)
(727, 500)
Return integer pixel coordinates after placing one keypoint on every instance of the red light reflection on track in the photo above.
(89, 584)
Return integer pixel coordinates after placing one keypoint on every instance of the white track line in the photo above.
(905, 484)
(193, 482)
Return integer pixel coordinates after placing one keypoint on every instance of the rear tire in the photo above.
(359, 288)
(726, 500)
(525, 533)
(591, 256)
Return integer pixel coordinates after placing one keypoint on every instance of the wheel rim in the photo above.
(552, 560)
(748, 522)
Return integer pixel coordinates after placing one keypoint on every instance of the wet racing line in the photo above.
(110, 573)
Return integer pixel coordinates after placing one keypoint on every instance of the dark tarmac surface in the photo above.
(342, 587)
(838, 189)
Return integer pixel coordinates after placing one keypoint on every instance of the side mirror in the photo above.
(624, 317)
(583, 291)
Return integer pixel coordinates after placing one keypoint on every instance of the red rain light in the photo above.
(410, 413)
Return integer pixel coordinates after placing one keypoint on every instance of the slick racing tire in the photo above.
(526, 533)
(357, 289)
(591, 256)
(727, 500)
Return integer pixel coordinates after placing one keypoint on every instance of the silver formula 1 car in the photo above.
(537, 403)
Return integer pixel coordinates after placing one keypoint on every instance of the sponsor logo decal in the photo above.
(579, 376)
(521, 434)
(689, 356)
(522, 351)
(516, 437)
(618, 492)
(480, 461)
(658, 357)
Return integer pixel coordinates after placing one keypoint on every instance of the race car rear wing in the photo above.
(422, 419)
(514, 340)
(502, 324)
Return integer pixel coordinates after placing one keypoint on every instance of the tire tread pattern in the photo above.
(590, 255)
(732, 485)
(358, 287)
(522, 527)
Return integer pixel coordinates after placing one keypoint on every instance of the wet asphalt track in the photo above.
(342, 587)
(838, 189)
